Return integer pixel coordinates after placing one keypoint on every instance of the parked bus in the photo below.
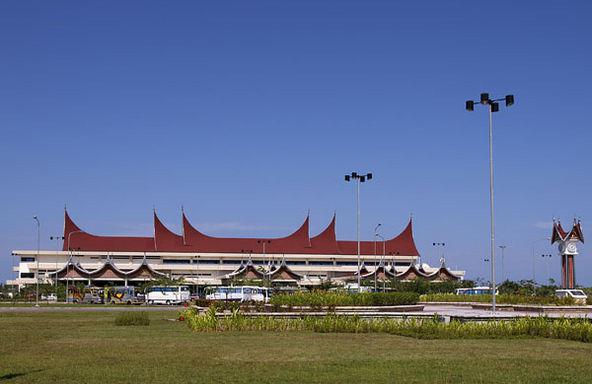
(474, 291)
(167, 295)
(120, 295)
(241, 293)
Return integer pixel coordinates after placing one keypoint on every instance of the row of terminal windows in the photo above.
(229, 261)
(263, 262)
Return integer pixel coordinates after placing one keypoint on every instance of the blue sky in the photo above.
(250, 113)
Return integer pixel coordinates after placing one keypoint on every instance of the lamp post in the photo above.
(57, 239)
(383, 256)
(548, 257)
(439, 255)
(358, 179)
(503, 248)
(37, 260)
(375, 265)
(534, 258)
(493, 105)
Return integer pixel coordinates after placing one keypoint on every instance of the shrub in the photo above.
(500, 299)
(317, 299)
(433, 328)
(132, 318)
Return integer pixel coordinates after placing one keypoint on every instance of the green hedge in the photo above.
(500, 299)
(568, 329)
(338, 298)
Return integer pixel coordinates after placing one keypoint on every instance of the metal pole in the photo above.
(491, 209)
(358, 233)
(37, 262)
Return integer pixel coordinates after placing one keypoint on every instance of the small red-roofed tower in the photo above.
(567, 243)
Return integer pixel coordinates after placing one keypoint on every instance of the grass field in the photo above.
(89, 348)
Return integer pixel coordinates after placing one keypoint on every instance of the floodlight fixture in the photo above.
(484, 98)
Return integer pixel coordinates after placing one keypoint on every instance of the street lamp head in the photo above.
(509, 100)
(470, 105)
(485, 98)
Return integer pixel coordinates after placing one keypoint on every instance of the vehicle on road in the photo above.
(474, 291)
(167, 295)
(241, 293)
(49, 298)
(578, 296)
(120, 295)
(93, 295)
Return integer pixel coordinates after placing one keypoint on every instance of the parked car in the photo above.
(577, 295)
(51, 297)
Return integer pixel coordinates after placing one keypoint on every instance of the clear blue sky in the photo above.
(250, 113)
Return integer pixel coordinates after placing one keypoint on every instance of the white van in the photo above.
(577, 295)
(167, 295)
(242, 293)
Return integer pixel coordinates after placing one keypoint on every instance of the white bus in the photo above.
(474, 291)
(167, 295)
(242, 293)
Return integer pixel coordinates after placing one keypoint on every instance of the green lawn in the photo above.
(89, 348)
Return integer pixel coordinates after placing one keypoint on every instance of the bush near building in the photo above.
(500, 299)
(340, 298)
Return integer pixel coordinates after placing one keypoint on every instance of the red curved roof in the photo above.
(76, 239)
(403, 244)
(326, 241)
(193, 240)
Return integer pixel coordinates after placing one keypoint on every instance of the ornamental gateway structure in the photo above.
(200, 260)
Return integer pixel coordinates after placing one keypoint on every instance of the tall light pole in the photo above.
(375, 265)
(548, 257)
(493, 107)
(503, 248)
(57, 239)
(534, 258)
(382, 257)
(37, 260)
(439, 255)
(359, 179)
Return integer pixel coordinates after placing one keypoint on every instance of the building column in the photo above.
(563, 271)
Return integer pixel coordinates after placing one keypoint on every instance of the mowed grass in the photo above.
(89, 348)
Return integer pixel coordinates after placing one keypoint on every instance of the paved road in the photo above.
(452, 310)
(97, 308)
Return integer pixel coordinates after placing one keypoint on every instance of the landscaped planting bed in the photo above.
(569, 329)
(500, 299)
(317, 299)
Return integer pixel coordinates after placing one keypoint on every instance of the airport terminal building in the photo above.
(200, 259)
